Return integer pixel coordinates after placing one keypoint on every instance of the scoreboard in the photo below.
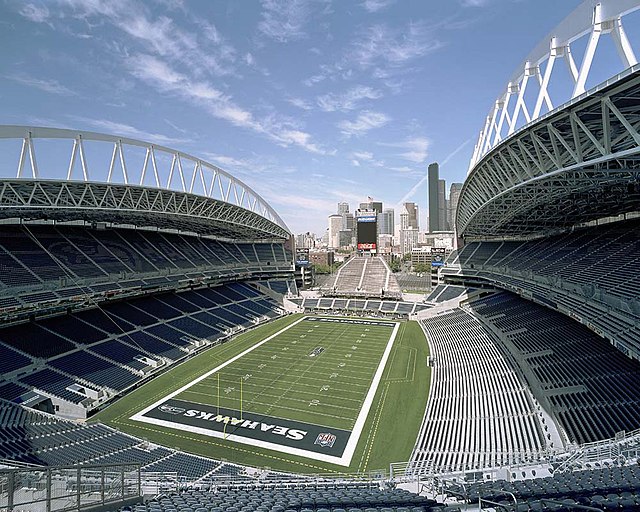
(367, 232)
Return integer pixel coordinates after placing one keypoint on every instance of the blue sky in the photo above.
(310, 102)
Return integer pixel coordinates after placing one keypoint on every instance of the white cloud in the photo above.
(380, 45)
(360, 158)
(365, 121)
(230, 162)
(160, 75)
(376, 5)
(416, 148)
(177, 60)
(383, 51)
(347, 100)
(50, 86)
(300, 103)
(202, 49)
(127, 130)
(474, 3)
(35, 13)
(285, 20)
(299, 138)
(363, 155)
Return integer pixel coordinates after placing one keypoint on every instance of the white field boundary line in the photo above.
(368, 401)
(350, 448)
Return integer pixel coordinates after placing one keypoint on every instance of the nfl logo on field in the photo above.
(325, 440)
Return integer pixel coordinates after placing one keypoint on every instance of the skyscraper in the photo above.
(335, 226)
(454, 196)
(343, 208)
(442, 206)
(409, 216)
(386, 221)
(434, 211)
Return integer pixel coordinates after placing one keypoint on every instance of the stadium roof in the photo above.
(105, 178)
(578, 163)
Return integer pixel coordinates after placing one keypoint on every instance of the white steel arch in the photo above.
(187, 174)
(514, 108)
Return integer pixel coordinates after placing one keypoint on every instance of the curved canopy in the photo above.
(69, 175)
(579, 163)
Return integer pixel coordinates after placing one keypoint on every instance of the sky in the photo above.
(309, 102)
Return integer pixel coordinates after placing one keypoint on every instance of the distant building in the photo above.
(386, 221)
(409, 216)
(321, 257)
(433, 177)
(408, 240)
(443, 225)
(343, 208)
(344, 237)
(375, 206)
(444, 239)
(335, 226)
(385, 244)
(348, 221)
(306, 240)
(454, 196)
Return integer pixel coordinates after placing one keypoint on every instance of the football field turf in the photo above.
(306, 390)
(314, 389)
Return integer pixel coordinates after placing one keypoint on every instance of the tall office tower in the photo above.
(348, 221)
(386, 221)
(442, 206)
(343, 208)
(454, 196)
(434, 212)
(335, 226)
(409, 216)
(408, 227)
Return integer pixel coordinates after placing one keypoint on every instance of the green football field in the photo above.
(308, 394)
(318, 372)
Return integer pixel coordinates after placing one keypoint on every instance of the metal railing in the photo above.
(65, 488)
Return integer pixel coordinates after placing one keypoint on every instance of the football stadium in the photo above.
(156, 354)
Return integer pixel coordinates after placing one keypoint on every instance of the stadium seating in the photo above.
(283, 287)
(363, 277)
(590, 273)
(589, 384)
(367, 307)
(28, 436)
(609, 488)
(45, 263)
(316, 498)
(113, 347)
(444, 292)
(480, 413)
